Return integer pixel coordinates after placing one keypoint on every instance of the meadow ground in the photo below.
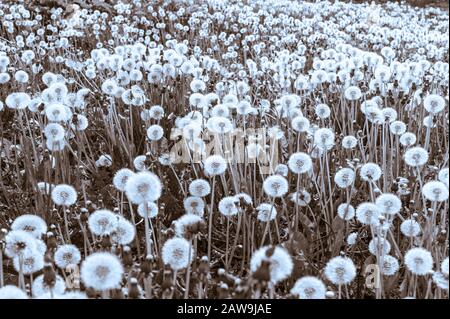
(223, 149)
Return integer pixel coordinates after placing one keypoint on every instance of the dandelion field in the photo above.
(223, 149)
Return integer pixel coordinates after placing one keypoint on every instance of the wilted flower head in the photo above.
(187, 223)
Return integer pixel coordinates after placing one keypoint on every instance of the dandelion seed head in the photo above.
(215, 165)
(32, 261)
(143, 187)
(40, 287)
(275, 186)
(435, 191)
(175, 253)
(379, 246)
(17, 242)
(419, 261)
(67, 255)
(194, 205)
(408, 139)
(346, 211)
(199, 188)
(121, 177)
(434, 103)
(340, 270)
(352, 238)
(368, 213)
(227, 206)
(370, 172)
(309, 288)
(101, 271)
(389, 204)
(266, 212)
(300, 124)
(410, 228)
(281, 264)
(349, 142)
(444, 266)
(300, 163)
(32, 224)
(155, 132)
(344, 177)
(416, 156)
(389, 265)
(12, 292)
(102, 222)
(148, 210)
(124, 232)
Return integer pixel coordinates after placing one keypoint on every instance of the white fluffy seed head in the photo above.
(143, 187)
(419, 261)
